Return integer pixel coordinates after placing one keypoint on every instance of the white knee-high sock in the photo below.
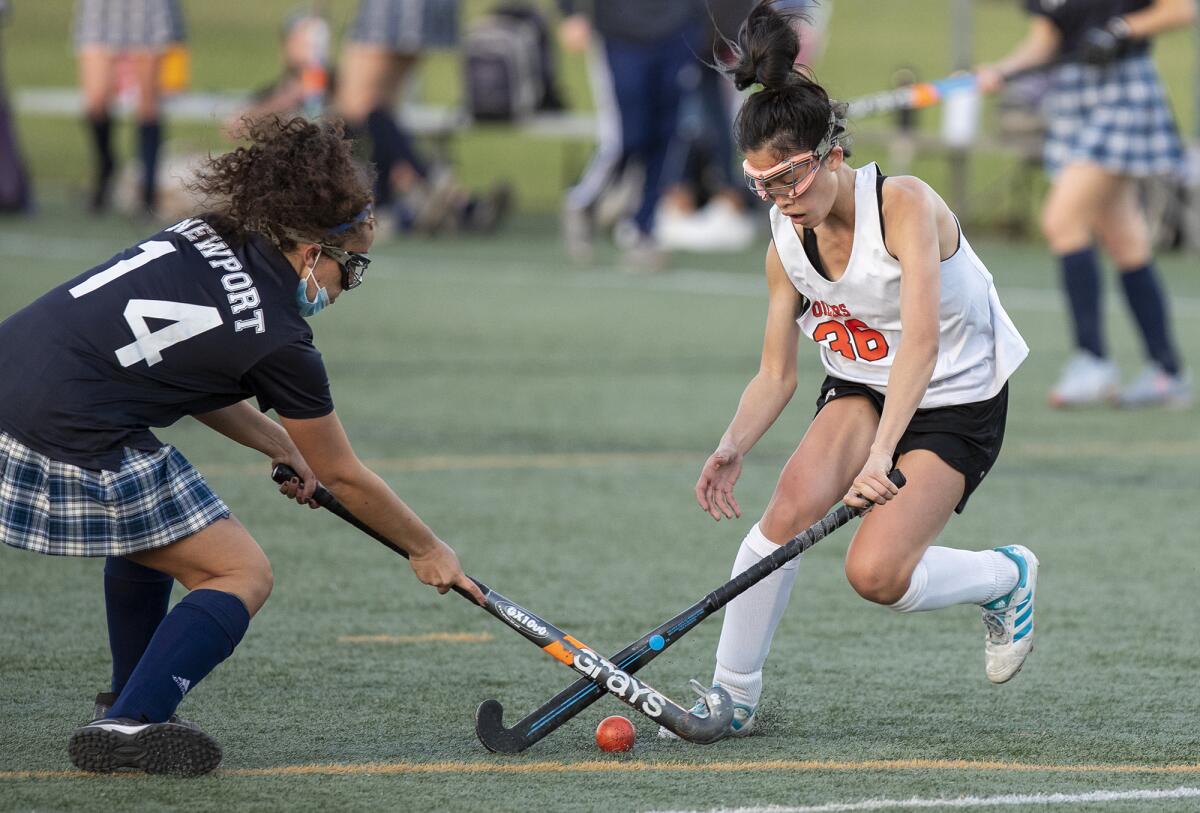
(947, 576)
(750, 621)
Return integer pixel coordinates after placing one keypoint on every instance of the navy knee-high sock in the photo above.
(149, 141)
(1149, 305)
(391, 145)
(1081, 280)
(200, 632)
(135, 600)
(100, 130)
(399, 146)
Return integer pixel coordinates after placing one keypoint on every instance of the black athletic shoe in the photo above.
(108, 745)
(106, 700)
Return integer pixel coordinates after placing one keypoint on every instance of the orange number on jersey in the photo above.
(837, 336)
(871, 344)
(854, 340)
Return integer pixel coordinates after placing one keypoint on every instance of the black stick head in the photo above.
(714, 725)
(489, 727)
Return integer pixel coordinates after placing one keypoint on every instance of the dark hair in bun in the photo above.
(791, 113)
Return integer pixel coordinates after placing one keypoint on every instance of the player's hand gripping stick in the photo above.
(489, 718)
(596, 670)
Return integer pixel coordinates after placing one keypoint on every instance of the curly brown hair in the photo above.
(296, 180)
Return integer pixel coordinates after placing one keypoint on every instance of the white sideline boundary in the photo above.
(1008, 800)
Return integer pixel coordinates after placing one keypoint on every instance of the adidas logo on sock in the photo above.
(183, 683)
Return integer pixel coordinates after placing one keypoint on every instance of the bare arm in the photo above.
(324, 444)
(773, 386)
(763, 399)
(251, 428)
(910, 210)
(1039, 47)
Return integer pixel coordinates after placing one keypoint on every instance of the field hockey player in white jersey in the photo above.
(917, 353)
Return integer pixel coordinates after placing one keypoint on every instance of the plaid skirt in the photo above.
(1114, 115)
(52, 507)
(121, 24)
(406, 26)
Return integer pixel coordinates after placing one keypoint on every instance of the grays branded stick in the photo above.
(489, 717)
(596, 670)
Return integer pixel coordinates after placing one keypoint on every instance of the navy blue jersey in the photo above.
(1073, 17)
(178, 325)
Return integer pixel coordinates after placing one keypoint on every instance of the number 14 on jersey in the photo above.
(186, 320)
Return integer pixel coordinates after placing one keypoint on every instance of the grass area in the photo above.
(233, 46)
(499, 358)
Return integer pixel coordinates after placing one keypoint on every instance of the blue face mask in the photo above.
(303, 304)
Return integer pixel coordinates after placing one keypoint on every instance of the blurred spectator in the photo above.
(381, 52)
(302, 86)
(15, 194)
(141, 30)
(705, 206)
(638, 50)
(1109, 124)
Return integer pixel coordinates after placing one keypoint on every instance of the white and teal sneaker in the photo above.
(1009, 619)
(740, 726)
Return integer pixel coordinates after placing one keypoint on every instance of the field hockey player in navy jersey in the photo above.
(195, 320)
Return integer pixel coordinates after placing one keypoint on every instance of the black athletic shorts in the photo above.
(967, 436)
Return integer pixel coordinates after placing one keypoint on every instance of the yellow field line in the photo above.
(620, 766)
(441, 637)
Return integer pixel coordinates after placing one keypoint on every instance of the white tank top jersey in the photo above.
(856, 319)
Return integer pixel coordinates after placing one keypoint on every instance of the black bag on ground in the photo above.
(509, 67)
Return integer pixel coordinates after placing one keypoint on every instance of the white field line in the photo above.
(1011, 800)
(532, 273)
(775, 767)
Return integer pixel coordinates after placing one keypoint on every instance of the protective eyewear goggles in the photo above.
(352, 264)
(789, 178)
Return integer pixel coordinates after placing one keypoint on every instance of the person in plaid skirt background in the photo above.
(1108, 124)
(105, 30)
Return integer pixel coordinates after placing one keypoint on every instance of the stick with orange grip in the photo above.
(924, 94)
(569, 650)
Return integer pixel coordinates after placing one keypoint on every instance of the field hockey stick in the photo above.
(597, 671)
(489, 718)
(924, 94)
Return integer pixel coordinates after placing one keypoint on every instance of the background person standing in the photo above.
(637, 52)
(104, 31)
(378, 60)
(1109, 124)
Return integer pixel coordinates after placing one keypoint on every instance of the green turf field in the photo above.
(550, 422)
